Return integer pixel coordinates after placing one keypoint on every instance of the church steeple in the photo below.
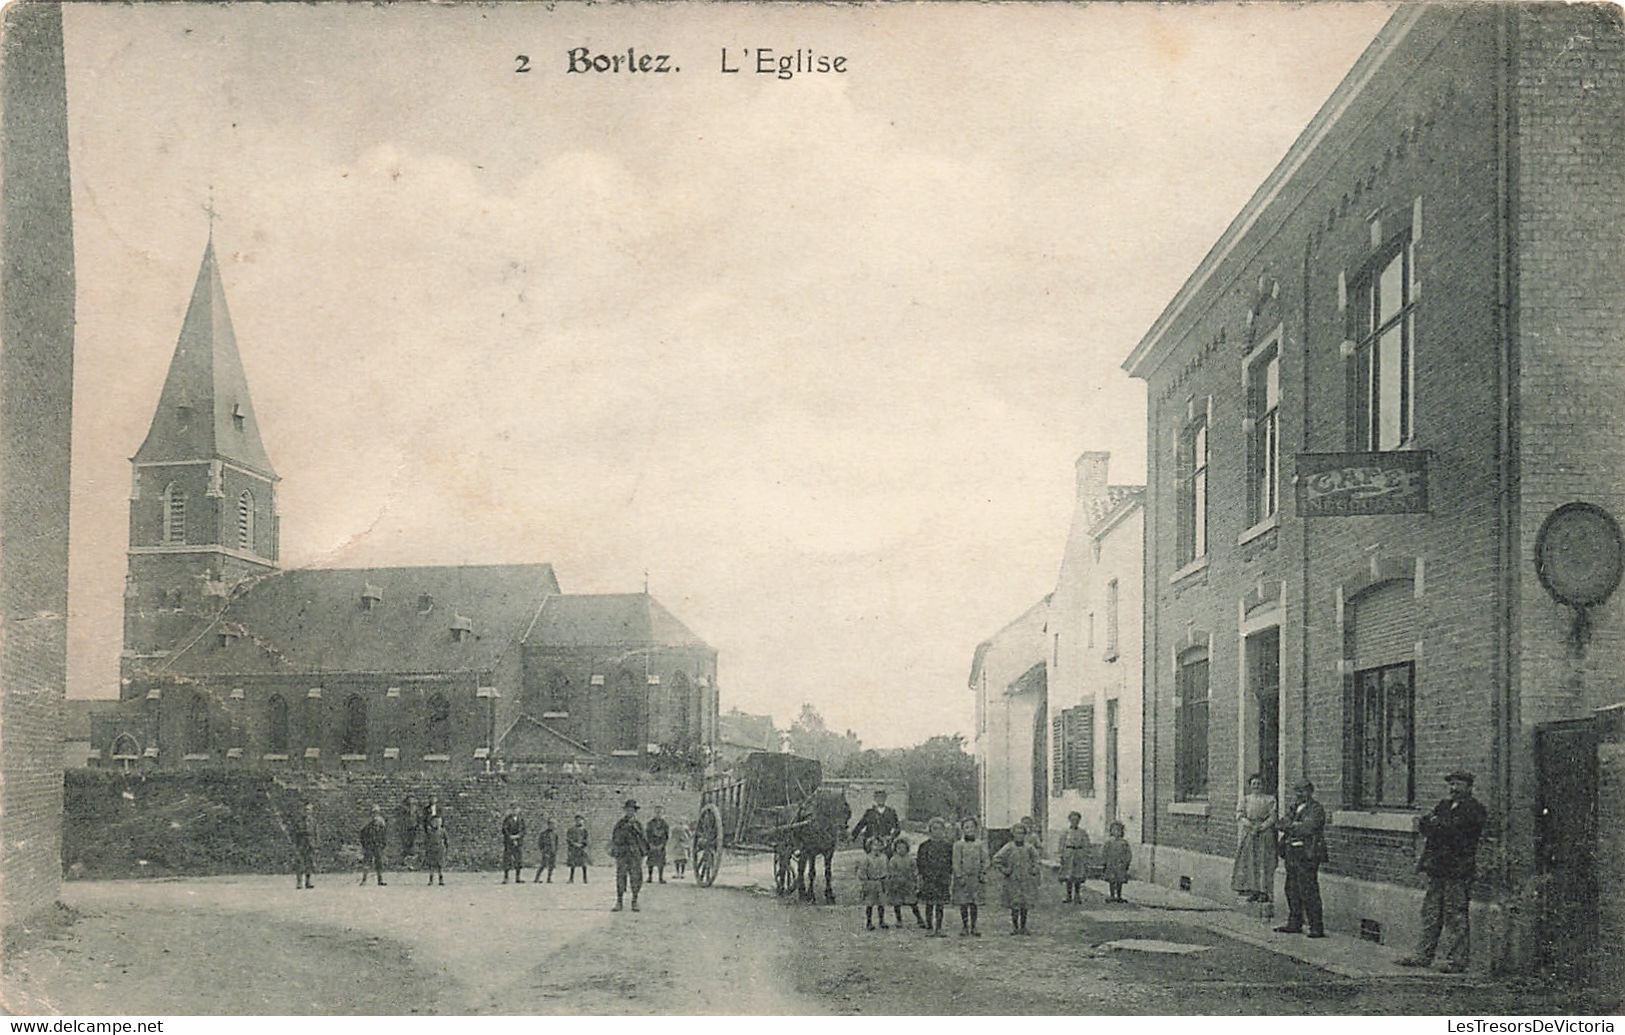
(205, 412)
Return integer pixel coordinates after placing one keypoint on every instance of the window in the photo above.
(628, 703)
(1264, 438)
(1072, 762)
(276, 716)
(245, 521)
(1111, 619)
(355, 726)
(681, 706)
(239, 419)
(174, 515)
(197, 726)
(1192, 467)
(124, 746)
(439, 725)
(1190, 728)
(558, 689)
(1055, 662)
(1383, 319)
(1091, 630)
(1383, 742)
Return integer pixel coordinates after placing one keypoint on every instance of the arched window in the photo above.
(439, 725)
(558, 691)
(174, 515)
(245, 521)
(124, 746)
(681, 708)
(197, 726)
(276, 714)
(355, 725)
(628, 705)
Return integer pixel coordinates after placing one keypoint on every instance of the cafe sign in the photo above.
(1350, 484)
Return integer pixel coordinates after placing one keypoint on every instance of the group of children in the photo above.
(576, 856)
(956, 871)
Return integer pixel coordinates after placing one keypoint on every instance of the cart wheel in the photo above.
(707, 846)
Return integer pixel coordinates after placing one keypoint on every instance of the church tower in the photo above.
(203, 492)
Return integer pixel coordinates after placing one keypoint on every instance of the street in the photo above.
(256, 945)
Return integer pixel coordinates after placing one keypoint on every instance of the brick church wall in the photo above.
(36, 393)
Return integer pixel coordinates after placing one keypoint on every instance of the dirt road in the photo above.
(256, 945)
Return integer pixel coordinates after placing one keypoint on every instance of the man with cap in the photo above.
(513, 844)
(372, 845)
(628, 845)
(1303, 849)
(1452, 830)
(879, 821)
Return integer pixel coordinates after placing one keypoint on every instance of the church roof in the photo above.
(204, 411)
(388, 620)
(610, 620)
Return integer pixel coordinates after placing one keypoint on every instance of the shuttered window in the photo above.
(1072, 761)
(1379, 699)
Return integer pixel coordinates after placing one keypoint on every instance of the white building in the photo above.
(1093, 639)
(1007, 676)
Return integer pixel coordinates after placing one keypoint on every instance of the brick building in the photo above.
(36, 423)
(1093, 682)
(231, 659)
(1348, 476)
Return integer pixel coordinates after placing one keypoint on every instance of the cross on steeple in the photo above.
(211, 211)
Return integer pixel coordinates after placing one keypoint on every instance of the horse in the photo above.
(820, 821)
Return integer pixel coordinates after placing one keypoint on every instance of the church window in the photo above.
(681, 692)
(174, 515)
(124, 746)
(276, 712)
(628, 702)
(462, 628)
(558, 689)
(245, 521)
(197, 726)
(439, 725)
(239, 420)
(355, 725)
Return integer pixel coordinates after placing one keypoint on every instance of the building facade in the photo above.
(1399, 361)
(231, 659)
(1093, 683)
(1012, 723)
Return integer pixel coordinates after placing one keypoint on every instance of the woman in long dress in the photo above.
(1254, 874)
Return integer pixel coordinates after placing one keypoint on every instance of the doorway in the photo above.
(1264, 684)
(1111, 761)
(1566, 846)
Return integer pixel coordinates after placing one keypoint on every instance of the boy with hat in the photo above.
(628, 845)
(372, 846)
(1452, 830)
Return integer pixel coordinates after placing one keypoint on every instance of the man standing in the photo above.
(304, 846)
(1303, 848)
(513, 844)
(658, 833)
(431, 812)
(409, 821)
(372, 845)
(628, 845)
(879, 821)
(1452, 830)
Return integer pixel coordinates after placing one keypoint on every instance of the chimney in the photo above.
(1091, 469)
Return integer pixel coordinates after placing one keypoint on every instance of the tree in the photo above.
(940, 774)
(811, 738)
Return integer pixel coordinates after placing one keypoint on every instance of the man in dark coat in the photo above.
(1303, 849)
(1452, 830)
(879, 821)
(373, 836)
(304, 846)
(658, 833)
(628, 845)
(513, 844)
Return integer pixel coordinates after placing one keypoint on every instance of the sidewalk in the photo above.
(1339, 954)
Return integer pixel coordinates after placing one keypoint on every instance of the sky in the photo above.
(815, 354)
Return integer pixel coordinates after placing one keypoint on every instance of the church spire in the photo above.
(205, 412)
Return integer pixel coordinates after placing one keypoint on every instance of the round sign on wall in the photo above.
(1580, 555)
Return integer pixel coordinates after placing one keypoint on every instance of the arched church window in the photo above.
(558, 690)
(197, 726)
(681, 706)
(245, 521)
(628, 705)
(355, 725)
(124, 746)
(439, 725)
(174, 515)
(276, 712)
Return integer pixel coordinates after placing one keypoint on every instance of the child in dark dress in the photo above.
(935, 864)
(1116, 856)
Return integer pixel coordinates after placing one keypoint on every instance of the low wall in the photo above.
(214, 822)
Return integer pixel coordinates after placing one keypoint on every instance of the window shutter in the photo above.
(1084, 749)
(1057, 762)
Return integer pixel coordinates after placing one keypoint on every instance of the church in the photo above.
(229, 659)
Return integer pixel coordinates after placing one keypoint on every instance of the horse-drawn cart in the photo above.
(773, 806)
